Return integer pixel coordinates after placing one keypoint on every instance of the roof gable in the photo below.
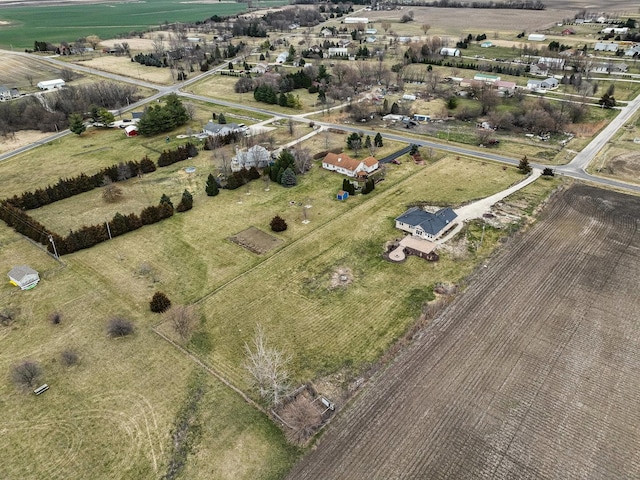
(341, 160)
(21, 271)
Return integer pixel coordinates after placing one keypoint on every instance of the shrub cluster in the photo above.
(283, 169)
(241, 177)
(150, 60)
(169, 157)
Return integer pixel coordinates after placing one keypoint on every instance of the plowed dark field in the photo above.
(533, 373)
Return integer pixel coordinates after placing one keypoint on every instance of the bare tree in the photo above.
(267, 367)
(66, 74)
(29, 77)
(93, 40)
(112, 192)
(291, 127)
(183, 319)
(69, 357)
(303, 419)
(119, 327)
(425, 28)
(386, 26)
(26, 373)
(302, 159)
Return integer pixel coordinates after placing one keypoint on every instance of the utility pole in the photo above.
(108, 230)
(55, 251)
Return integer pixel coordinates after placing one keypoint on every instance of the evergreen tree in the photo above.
(165, 199)
(378, 140)
(367, 142)
(289, 178)
(76, 124)
(186, 203)
(278, 224)
(212, 186)
(222, 119)
(524, 166)
(159, 303)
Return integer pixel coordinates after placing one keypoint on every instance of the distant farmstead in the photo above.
(51, 84)
(423, 224)
(24, 277)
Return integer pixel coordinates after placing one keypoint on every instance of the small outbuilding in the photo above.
(536, 37)
(342, 195)
(51, 84)
(24, 277)
(131, 131)
(450, 52)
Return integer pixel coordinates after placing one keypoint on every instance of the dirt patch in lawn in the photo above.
(625, 165)
(341, 277)
(255, 240)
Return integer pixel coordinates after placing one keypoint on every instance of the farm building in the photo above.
(504, 86)
(606, 47)
(51, 84)
(282, 57)
(546, 84)
(616, 30)
(486, 78)
(256, 156)
(423, 224)
(131, 131)
(419, 117)
(338, 51)
(352, 20)
(371, 31)
(348, 166)
(486, 44)
(536, 37)
(633, 51)
(8, 93)
(450, 52)
(24, 277)
(553, 62)
(342, 195)
(325, 32)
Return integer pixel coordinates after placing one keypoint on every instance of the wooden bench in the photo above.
(41, 389)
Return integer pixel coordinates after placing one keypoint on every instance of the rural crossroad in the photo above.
(575, 169)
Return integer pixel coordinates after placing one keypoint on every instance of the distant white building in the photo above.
(51, 84)
(338, 51)
(616, 30)
(282, 57)
(546, 84)
(450, 52)
(536, 37)
(352, 20)
(606, 47)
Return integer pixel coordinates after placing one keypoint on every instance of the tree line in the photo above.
(13, 210)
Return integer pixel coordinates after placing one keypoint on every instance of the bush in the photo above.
(186, 203)
(119, 327)
(278, 224)
(7, 316)
(55, 318)
(159, 303)
(26, 373)
(548, 172)
(69, 357)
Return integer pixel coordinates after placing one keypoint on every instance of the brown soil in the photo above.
(255, 240)
(20, 139)
(625, 166)
(531, 373)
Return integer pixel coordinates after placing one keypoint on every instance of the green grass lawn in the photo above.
(107, 20)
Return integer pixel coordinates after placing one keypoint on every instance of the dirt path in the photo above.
(530, 374)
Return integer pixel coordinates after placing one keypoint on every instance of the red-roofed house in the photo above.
(342, 163)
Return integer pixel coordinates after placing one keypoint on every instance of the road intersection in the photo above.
(574, 169)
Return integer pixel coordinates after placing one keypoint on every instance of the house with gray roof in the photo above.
(24, 277)
(221, 129)
(8, 93)
(425, 225)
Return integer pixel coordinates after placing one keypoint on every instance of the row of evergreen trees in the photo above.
(68, 187)
(267, 94)
(150, 60)
(183, 152)
(350, 188)
(242, 177)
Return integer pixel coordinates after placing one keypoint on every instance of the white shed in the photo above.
(536, 37)
(450, 52)
(51, 84)
(24, 277)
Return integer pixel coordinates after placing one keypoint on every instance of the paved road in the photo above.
(575, 169)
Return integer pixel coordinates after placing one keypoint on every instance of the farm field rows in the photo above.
(56, 23)
(513, 380)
